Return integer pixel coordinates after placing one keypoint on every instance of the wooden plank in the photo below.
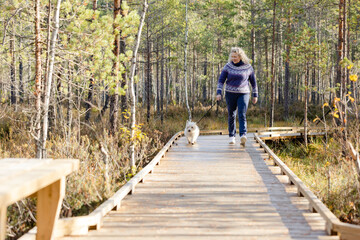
(30, 235)
(22, 186)
(349, 236)
(347, 231)
(73, 226)
(48, 209)
(17, 167)
(267, 130)
(275, 133)
(277, 136)
(3, 222)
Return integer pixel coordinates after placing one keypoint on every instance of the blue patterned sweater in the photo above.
(237, 78)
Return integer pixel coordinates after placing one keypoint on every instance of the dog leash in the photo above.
(207, 112)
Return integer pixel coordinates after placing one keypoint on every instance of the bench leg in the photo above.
(48, 209)
(3, 222)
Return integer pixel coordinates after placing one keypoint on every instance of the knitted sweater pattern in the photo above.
(237, 79)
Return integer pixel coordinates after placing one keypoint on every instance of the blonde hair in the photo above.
(241, 53)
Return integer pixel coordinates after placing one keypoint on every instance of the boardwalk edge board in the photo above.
(333, 224)
(81, 225)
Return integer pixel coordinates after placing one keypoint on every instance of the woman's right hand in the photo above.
(218, 97)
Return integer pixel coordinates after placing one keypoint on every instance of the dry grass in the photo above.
(329, 174)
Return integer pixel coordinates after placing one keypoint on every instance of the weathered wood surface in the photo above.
(20, 178)
(213, 190)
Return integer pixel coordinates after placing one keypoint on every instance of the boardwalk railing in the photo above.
(274, 131)
(333, 224)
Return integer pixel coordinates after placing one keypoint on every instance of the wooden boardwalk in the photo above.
(213, 190)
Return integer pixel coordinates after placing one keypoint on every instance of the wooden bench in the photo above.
(20, 178)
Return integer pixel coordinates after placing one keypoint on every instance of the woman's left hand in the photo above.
(254, 100)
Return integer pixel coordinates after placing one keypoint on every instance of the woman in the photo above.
(237, 74)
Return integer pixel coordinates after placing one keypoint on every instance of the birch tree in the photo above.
(38, 73)
(49, 79)
(132, 90)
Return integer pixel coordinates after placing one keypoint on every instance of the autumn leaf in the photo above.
(316, 119)
(353, 78)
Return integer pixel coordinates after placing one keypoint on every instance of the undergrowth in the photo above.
(330, 175)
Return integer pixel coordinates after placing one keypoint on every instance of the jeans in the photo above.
(241, 102)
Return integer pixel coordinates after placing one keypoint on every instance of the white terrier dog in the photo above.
(191, 131)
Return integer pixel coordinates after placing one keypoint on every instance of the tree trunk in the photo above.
(280, 73)
(313, 84)
(123, 98)
(49, 78)
(204, 81)
(319, 68)
(148, 74)
(287, 68)
(89, 99)
(267, 71)
(168, 78)
(157, 104)
(162, 74)
(91, 84)
(185, 59)
(47, 60)
(345, 29)
(306, 105)
(69, 114)
(21, 75)
(132, 92)
(272, 108)
(340, 49)
(253, 57)
(114, 96)
(38, 83)
(213, 85)
(13, 68)
(194, 79)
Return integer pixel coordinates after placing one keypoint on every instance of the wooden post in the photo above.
(3, 222)
(132, 190)
(48, 209)
(118, 206)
